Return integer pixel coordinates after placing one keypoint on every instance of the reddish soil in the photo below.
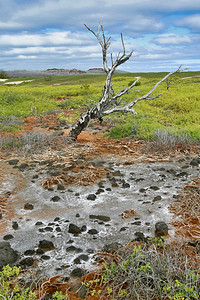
(90, 143)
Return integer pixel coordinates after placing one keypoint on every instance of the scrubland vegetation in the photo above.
(145, 271)
(176, 111)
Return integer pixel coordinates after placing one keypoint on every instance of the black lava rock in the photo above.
(13, 162)
(92, 231)
(28, 206)
(77, 272)
(100, 217)
(74, 229)
(55, 199)
(8, 256)
(91, 197)
(46, 245)
(27, 262)
(161, 228)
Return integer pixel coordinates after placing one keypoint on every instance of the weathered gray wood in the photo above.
(109, 102)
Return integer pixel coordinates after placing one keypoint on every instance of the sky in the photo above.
(44, 34)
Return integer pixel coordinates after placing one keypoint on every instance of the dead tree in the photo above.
(110, 101)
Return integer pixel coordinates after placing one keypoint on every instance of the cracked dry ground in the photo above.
(75, 160)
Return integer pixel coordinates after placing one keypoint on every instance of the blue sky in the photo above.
(42, 34)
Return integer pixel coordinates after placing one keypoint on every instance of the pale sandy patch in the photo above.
(17, 82)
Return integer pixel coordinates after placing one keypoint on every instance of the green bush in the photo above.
(152, 272)
(9, 289)
(3, 75)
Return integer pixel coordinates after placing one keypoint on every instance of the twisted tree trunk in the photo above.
(109, 102)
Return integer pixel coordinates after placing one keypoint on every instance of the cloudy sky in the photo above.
(42, 34)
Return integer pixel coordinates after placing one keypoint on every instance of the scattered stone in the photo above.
(39, 223)
(142, 190)
(77, 272)
(99, 191)
(100, 217)
(58, 229)
(182, 174)
(93, 231)
(117, 173)
(113, 182)
(91, 197)
(35, 176)
(28, 206)
(140, 237)
(15, 225)
(195, 162)
(27, 262)
(84, 257)
(123, 229)
(112, 248)
(83, 228)
(73, 248)
(161, 229)
(77, 261)
(29, 252)
(77, 215)
(60, 187)
(23, 166)
(45, 257)
(8, 237)
(39, 251)
(154, 188)
(46, 245)
(8, 256)
(125, 185)
(136, 223)
(55, 199)
(74, 229)
(13, 162)
(48, 229)
(157, 198)
(139, 179)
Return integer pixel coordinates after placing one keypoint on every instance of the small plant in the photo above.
(11, 290)
(152, 272)
(59, 296)
(3, 75)
(138, 83)
(85, 89)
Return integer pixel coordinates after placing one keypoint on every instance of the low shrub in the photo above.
(3, 75)
(30, 142)
(154, 271)
(168, 140)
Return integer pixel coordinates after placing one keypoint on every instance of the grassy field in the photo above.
(176, 111)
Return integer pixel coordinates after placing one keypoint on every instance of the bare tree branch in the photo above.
(109, 102)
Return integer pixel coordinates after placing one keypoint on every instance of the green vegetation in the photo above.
(149, 272)
(177, 111)
(3, 75)
(9, 289)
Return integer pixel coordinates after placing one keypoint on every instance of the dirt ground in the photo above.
(91, 143)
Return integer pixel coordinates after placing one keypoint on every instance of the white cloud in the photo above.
(172, 39)
(47, 33)
(26, 56)
(192, 21)
(55, 38)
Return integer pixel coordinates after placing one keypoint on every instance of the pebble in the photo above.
(91, 197)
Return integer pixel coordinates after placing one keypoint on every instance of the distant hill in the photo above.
(54, 72)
